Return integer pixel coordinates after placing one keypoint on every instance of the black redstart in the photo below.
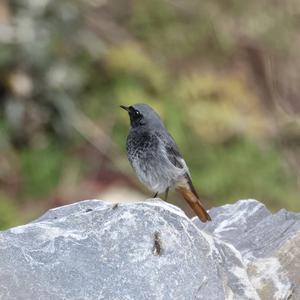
(156, 159)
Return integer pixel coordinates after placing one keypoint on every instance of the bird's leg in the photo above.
(155, 195)
(166, 194)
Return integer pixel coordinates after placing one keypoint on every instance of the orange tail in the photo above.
(193, 200)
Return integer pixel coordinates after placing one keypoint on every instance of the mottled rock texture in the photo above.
(268, 243)
(152, 250)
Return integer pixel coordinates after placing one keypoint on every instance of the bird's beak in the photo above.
(125, 107)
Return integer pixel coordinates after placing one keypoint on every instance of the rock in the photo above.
(152, 250)
(268, 243)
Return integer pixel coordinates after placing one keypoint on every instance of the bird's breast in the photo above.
(147, 156)
(141, 144)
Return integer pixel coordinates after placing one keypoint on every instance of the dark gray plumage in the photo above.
(156, 159)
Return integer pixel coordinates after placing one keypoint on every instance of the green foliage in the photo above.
(243, 170)
(8, 212)
(219, 107)
(73, 62)
(170, 29)
(41, 169)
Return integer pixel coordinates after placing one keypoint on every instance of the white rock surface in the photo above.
(151, 250)
(268, 243)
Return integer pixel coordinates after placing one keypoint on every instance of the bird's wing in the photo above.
(186, 188)
(173, 152)
(176, 159)
(174, 156)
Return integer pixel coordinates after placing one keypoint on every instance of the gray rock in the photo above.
(250, 227)
(151, 250)
(268, 244)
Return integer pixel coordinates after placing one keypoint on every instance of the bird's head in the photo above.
(142, 115)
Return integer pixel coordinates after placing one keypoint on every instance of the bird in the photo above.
(156, 159)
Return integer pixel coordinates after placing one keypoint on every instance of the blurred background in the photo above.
(224, 75)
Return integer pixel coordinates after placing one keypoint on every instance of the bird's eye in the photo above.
(137, 113)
